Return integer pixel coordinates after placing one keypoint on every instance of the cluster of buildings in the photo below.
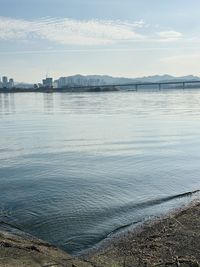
(6, 83)
(46, 83)
(50, 83)
(71, 81)
(77, 80)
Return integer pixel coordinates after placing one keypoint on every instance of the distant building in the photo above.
(5, 83)
(61, 82)
(55, 84)
(11, 83)
(48, 82)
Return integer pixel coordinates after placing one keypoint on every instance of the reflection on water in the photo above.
(7, 103)
(48, 103)
(76, 167)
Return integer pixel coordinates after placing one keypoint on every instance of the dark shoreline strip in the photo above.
(162, 200)
(152, 203)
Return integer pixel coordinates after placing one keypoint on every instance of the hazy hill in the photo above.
(90, 80)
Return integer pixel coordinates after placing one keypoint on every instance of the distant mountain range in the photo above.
(95, 80)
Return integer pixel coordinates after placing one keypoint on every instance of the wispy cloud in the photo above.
(70, 31)
(170, 35)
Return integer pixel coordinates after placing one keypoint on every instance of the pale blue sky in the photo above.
(120, 38)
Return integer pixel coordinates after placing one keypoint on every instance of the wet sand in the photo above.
(173, 240)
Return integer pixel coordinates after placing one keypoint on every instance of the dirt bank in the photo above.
(18, 249)
(170, 241)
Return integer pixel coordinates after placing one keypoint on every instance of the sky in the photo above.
(122, 38)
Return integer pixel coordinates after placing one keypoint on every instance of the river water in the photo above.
(76, 167)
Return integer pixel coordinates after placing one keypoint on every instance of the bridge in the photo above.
(134, 86)
(181, 84)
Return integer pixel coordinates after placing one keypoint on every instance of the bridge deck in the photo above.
(139, 84)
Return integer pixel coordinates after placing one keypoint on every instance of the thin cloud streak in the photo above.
(92, 50)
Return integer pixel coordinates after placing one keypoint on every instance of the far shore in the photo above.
(96, 89)
(61, 90)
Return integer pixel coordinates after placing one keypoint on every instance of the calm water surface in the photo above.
(76, 167)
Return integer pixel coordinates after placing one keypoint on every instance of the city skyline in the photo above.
(129, 39)
(93, 80)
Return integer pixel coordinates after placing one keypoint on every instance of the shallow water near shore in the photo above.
(76, 167)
